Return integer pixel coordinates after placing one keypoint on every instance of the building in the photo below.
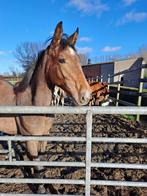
(118, 66)
(98, 69)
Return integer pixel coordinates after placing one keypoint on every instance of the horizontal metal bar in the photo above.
(118, 183)
(40, 181)
(74, 139)
(21, 194)
(72, 110)
(43, 163)
(73, 164)
(43, 138)
(119, 140)
(68, 181)
(4, 151)
(119, 165)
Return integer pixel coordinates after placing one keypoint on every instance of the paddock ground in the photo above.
(103, 126)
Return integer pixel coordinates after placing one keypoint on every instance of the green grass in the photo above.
(129, 117)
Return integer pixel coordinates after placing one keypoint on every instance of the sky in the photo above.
(116, 27)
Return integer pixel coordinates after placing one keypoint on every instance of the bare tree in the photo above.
(15, 72)
(26, 54)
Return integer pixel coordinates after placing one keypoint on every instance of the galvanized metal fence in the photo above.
(88, 164)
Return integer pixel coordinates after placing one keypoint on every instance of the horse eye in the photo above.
(61, 60)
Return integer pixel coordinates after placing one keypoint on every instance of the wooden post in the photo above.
(101, 78)
(108, 82)
(140, 90)
(118, 89)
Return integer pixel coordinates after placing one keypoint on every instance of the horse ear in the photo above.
(73, 38)
(57, 35)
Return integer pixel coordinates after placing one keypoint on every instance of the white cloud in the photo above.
(111, 49)
(133, 16)
(5, 52)
(84, 50)
(89, 6)
(85, 39)
(2, 52)
(128, 2)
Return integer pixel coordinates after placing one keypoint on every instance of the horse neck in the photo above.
(41, 92)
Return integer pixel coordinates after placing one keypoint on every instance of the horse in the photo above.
(58, 64)
(99, 93)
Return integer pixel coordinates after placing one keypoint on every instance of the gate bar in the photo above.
(120, 165)
(118, 183)
(40, 181)
(73, 139)
(88, 152)
(41, 110)
(43, 163)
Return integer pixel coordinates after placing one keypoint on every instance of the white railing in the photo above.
(88, 164)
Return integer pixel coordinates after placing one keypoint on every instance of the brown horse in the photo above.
(58, 64)
(99, 92)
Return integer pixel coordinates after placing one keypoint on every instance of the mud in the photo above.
(103, 126)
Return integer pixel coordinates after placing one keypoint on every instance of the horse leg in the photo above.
(33, 147)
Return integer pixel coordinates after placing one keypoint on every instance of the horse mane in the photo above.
(24, 83)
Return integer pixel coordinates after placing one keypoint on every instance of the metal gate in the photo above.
(88, 164)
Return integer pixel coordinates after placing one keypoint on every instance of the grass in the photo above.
(129, 117)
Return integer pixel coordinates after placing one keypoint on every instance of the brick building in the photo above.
(110, 68)
(98, 69)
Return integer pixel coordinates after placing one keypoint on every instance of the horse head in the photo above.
(63, 67)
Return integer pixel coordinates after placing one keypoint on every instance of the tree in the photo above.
(15, 72)
(26, 54)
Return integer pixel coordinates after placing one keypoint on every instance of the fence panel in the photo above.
(88, 164)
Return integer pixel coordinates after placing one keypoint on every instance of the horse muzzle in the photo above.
(85, 97)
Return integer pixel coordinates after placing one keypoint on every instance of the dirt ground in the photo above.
(103, 126)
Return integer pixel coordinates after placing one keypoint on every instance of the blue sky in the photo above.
(106, 27)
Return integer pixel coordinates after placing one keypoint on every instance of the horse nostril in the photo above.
(85, 98)
(82, 99)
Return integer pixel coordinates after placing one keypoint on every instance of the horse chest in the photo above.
(35, 125)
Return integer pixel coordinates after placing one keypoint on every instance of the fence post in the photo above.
(101, 78)
(108, 81)
(88, 151)
(140, 90)
(97, 78)
(118, 89)
(10, 150)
